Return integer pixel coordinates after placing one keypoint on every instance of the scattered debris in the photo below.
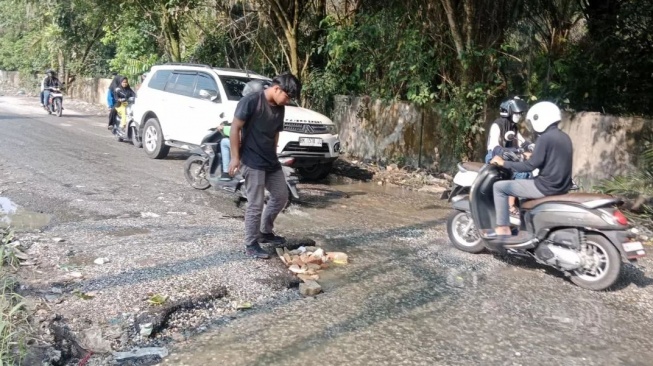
(58, 240)
(157, 299)
(149, 215)
(394, 175)
(161, 352)
(101, 261)
(243, 305)
(307, 262)
(309, 288)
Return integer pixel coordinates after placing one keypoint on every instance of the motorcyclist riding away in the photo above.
(50, 81)
(552, 156)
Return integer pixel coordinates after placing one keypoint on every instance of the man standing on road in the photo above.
(257, 123)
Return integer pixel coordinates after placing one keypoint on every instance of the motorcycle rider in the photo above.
(50, 81)
(511, 112)
(259, 116)
(553, 156)
(123, 93)
(225, 150)
(111, 99)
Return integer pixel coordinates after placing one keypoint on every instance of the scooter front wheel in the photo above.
(463, 234)
(195, 170)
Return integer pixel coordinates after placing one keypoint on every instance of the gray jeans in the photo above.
(522, 188)
(256, 182)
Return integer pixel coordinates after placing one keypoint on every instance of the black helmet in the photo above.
(511, 106)
(255, 85)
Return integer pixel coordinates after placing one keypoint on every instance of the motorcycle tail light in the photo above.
(287, 161)
(620, 218)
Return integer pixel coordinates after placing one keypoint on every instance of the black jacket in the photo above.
(553, 156)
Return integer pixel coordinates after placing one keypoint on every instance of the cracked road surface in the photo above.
(406, 298)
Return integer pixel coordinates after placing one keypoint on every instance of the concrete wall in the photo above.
(89, 90)
(10, 77)
(603, 145)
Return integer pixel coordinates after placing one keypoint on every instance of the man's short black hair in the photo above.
(289, 84)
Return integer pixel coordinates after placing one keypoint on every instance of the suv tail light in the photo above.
(287, 161)
(620, 217)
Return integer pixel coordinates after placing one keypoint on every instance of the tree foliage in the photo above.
(457, 56)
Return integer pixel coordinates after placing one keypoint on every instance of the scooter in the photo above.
(55, 101)
(131, 132)
(584, 235)
(468, 171)
(202, 170)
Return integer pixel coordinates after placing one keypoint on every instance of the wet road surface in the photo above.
(406, 298)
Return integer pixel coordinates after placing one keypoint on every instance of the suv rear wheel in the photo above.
(316, 172)
(153, 143)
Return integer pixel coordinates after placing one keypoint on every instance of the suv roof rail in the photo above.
(187, 64)
(238, 70)
(211, 67)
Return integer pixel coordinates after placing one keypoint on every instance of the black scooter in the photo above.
(203, 169)
(583, 235)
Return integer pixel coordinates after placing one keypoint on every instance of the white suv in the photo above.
(177, 104)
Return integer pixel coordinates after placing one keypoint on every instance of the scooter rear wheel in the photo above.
(195, 170)
(604, 264)
(463, 236)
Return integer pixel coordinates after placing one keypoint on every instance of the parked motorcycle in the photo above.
(583, 235)
(55, 101)
(131, 133)
(203, 168)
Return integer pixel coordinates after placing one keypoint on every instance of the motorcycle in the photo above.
(131, 133)
(202, 170)
(584, 235)
(55, 101)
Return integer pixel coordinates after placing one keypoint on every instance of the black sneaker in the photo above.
(225, 177)
(256, 251)
(271, 238)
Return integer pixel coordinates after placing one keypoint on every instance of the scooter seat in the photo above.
(569, 198)
(471, 166)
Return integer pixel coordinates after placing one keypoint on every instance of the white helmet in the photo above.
(542, 115)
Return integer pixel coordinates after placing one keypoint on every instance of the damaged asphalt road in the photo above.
(406, 297)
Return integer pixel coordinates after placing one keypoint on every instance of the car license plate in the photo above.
(310, 141)
(633, 246)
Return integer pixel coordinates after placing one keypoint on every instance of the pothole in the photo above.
(12, 215)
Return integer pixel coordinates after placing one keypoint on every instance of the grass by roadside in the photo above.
(13, 318)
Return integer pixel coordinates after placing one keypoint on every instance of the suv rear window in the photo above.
(181, 83)
(159, 79)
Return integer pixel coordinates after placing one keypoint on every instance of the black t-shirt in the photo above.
(262, 123)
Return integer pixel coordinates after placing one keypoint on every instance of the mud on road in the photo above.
(406, 297)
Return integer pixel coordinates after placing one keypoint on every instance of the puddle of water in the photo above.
(12, 215)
